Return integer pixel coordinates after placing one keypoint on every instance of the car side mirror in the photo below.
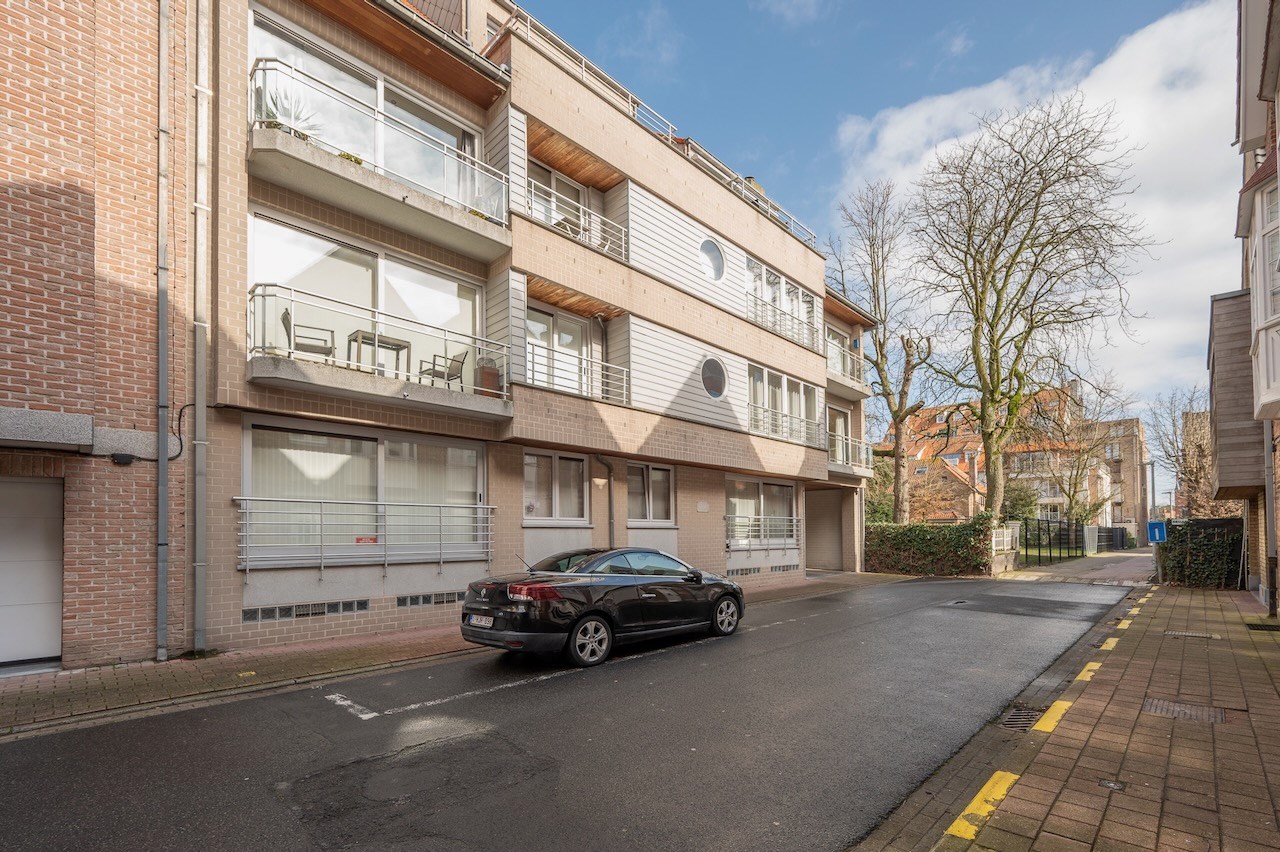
(694, 577)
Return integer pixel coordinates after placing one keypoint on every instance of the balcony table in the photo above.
(362, 339)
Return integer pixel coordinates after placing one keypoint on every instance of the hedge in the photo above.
(1202, 553)
(930, 549)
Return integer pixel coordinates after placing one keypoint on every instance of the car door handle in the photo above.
(648, 596)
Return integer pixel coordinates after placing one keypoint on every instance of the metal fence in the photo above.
(1044, 542)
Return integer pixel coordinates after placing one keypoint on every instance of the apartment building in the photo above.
(408, 292)
(1244, 323)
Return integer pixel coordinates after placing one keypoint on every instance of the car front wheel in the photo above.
(725, 617)
(590, 641)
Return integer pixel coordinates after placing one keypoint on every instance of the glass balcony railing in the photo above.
(288, 98)
(849, 452)
(582, 224)
(775, 424)
(846, 363)
(570, 373)
(305, 326)
(774, 318)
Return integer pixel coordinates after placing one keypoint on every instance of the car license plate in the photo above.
(481, 621)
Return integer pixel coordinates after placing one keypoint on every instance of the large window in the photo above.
(782, 306)
(758, 512)
(555, 488)
(650, 495)
(332, 499)
(783, 407)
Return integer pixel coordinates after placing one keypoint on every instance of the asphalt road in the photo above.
(800, 732)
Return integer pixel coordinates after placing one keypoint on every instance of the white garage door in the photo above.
(822, 530)
(30, 569)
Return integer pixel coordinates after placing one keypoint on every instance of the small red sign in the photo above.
(366, 539)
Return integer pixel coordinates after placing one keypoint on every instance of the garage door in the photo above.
(822, 530)
(30, 569)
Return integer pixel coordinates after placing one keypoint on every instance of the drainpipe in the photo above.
(162, 333)
(200, 326)
(1269, 474)
(609, 467)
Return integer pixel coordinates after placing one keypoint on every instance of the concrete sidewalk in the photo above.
(35, 702)
(1167, 738)
(1117, 568)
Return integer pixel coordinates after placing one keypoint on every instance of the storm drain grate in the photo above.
(1176, 710)
(1268, 627)
(1192, 634)
(1021, 719)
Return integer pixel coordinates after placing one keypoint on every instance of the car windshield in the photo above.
(564, 562)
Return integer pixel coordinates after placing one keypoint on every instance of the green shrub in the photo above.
(1204, 554)
(929, 549)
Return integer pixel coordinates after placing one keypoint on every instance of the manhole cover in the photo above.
(1021, 719)
(1191, 634)
(1269, 627)
(1176, 710)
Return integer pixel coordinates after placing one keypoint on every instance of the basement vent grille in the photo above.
(258, 614)
(436, 599)
(1020, 719)
(1191, 634)
(1176, 710)
(1272, 628)
(778, 569)
(742, 572)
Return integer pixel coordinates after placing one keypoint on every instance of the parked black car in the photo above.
(582, 602)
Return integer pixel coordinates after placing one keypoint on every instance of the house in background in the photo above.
(403, 293)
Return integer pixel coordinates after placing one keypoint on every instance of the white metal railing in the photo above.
(301, 325)
(575, 374)
(850, 452)
(775, 424)
(579, 222)
(282, 533)
(288, 98)
(571, 61)
(760, 532)
(765, 313)
(847, 363)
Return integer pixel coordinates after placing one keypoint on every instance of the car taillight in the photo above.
(532, 592)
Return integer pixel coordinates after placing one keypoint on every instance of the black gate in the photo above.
(1045, 542)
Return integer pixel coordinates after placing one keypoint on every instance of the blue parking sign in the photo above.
(1156, 532)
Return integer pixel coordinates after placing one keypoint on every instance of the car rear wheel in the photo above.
(590, 641)
(725, 617)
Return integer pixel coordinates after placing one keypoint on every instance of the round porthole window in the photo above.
(712, 260)
(714, 379)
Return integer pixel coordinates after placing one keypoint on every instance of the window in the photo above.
(557, 352)
(783, 407)
(656, 565)
(555, 487)
(650, 494)
(712, 260)
(921, 471)
(952, 458)
(759, 512)
(838, 357)
(782, 306)
(941, 418)
(556, 200)
(714, 378)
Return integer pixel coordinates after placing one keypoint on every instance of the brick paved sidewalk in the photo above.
(1170, 740)
(37, 701)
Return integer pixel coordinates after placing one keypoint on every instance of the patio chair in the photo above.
(448, 369)
(308, 338)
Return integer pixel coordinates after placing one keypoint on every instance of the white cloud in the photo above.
(649, 34)
(1173, 88)
(794, 12)
(959, 44)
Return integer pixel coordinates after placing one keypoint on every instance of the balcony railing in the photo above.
(774, 318)
(281, 533)
(760, 532)
(575, 374)
(290, 99)
(582, 224)
(847, 363)
(850, 452)
(788, 427)
(574, 63)
(305, 326)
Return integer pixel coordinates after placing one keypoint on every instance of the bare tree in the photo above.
(1025, 245)
(872, 264)
(1181, 445)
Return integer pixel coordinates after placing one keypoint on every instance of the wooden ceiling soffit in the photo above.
(415, 49)
(841, 310)
(548, 147)
(569, 300)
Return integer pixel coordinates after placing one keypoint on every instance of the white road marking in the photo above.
(362, 713)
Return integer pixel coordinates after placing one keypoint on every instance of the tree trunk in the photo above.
(995, 482)
(901, 494)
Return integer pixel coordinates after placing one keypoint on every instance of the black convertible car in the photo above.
(583, 601)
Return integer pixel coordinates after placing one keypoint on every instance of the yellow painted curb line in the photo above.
(1086, 673)
(1051, 717)
(1124, 625)
(1110, 644)
(1144, 600)
(1135, 610)
(982, 806)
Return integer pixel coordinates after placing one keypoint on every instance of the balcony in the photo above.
(574, 374)
(576, 221)
(320, 141)
(847, 368)
(770, 316)
(775, 424)
(1239, 448)
(306, 341)
(279, 533)
(846, 452)
(761, 532)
